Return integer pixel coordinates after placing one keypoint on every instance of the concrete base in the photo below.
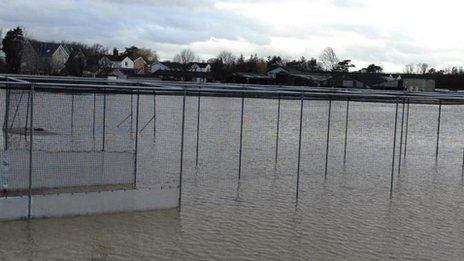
(61, 205)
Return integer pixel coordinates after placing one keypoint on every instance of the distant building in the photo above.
(154, 67)
(124, 61)
(416, 84)
(200, 67)
(43, 57)
(292, 76)
(370, 81)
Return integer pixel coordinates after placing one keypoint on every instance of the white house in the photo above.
(200, 67)
(116, 62)
(158, 66)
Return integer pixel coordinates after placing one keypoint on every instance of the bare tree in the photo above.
(328, 59)
(409, 69)
(185, 56)
(227, 58)
(422, 68)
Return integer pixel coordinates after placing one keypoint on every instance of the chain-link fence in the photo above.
(87, 139)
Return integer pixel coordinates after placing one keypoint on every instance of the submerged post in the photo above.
(94, 118)
(154, 116)
(241, 139)
(72, 114)
(346, 129)
(136, 137)
(131, 114)
(328, 139)
(104, 121)
(438, 131)
(6, 118)
(394, 150)
(401, 140)
(407, 131)
(182, 148)
(277, 131)
(31, 142)
(198, 127)
(299, 147)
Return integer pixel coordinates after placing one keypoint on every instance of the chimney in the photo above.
(115, 52)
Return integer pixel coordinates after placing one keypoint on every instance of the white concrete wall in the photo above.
(76, 204)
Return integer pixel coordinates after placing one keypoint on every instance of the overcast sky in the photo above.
(389, 33)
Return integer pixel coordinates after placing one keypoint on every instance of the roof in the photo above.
(201, 65)
(370, 79)
(114, 58)
(44, 48)
(304, 75)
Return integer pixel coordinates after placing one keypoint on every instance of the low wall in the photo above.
(61, 205)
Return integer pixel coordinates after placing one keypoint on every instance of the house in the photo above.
(140, 63)
(200, 67)
(116, 62)
(43, 57)
(370, 81)
(154, 67)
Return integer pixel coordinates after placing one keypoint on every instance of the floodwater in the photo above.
(347, 216)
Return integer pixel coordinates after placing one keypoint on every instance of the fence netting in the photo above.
(86, 141)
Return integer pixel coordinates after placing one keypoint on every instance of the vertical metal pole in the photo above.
(198, 128)
(328, 139)
(401, 139)
(438, 131)
(154, 116)
(94, 118)
(241, 139)
(6, 119)
(136, 137)
(27, 115)
(299, 148)
(72, 114)
(346, 129)
(407, 131)
(182, 149)
(394, 151)
(277, 131)
(131, 114)
(104, 121)
(31, 139)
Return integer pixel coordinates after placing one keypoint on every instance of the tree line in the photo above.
(224, 65)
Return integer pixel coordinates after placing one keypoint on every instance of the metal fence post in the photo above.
(407, 131)
(277, 131)
(136, 137)
(31, 139)
(182, 149)
(131, 114)
(394, 151)
(7, 116)
(299, 147)
(154, 116)
(104, 121)
(94, 118)
(438, 131)
(328, 139)
(72, 114)
(401, 139)
(346, 129)
(241, 139)
(198, 127)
